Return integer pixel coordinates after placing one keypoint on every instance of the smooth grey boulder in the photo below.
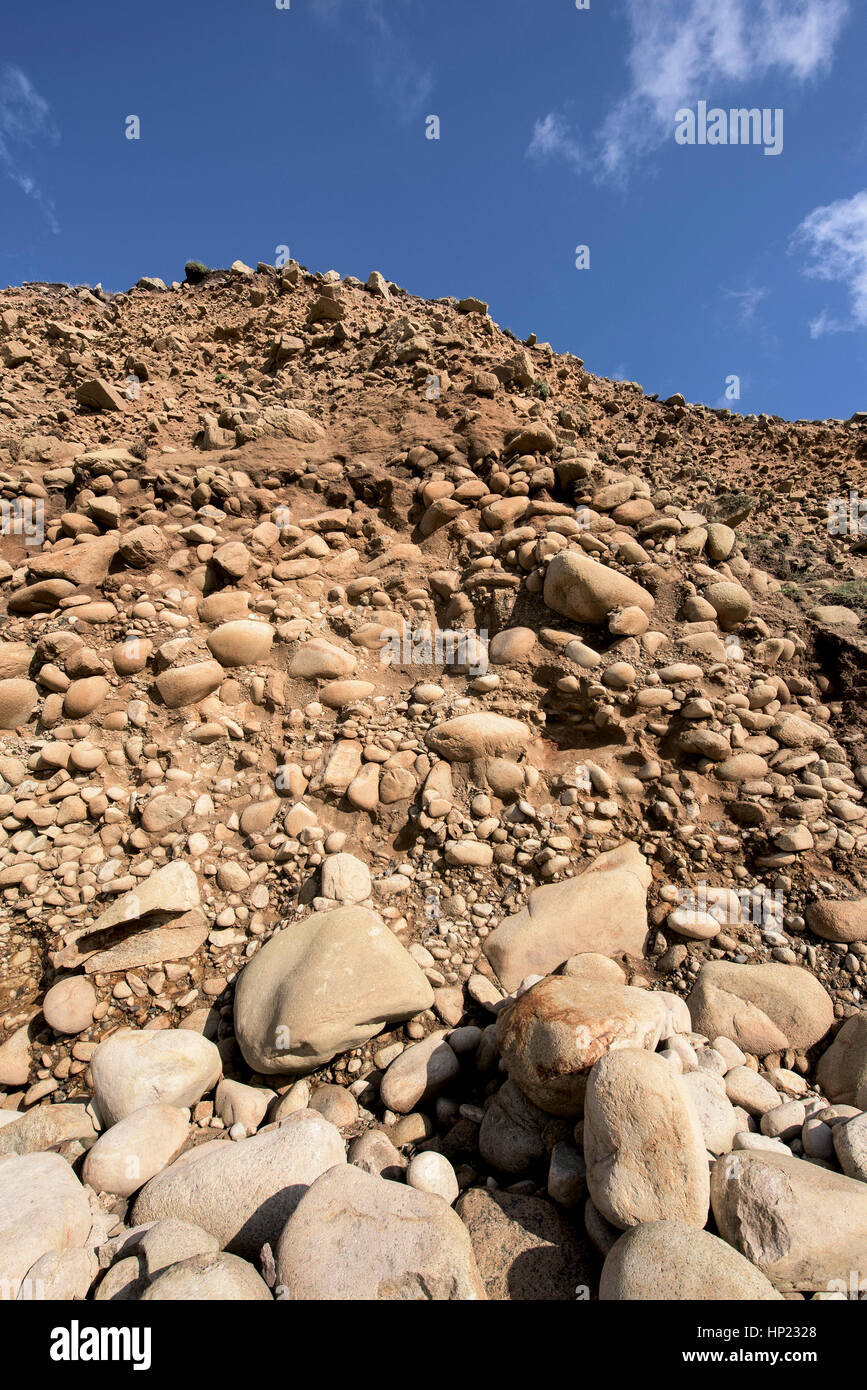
(43, 1208)
(135, 1068)
(324, 986)
(801, 1224)
(244, 1192)
(360, 1238)
(643, 1144)
(208, 1278)
(671, 1261)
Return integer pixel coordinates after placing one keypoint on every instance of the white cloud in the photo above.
(834, 239)
(552, 140)
(747, 302)
(397, 75)
(683, 53)
(25, 119)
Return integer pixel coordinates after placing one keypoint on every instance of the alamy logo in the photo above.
(855, 1290)
(26, 1291)
(847, 516)
(759, 905)
(421, 647)
(23, 517)
(738, 126)
(77, 1343)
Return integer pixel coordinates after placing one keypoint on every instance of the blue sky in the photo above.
(306, 127)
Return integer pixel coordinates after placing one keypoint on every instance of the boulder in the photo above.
(525, 1249)
(42, 597)
(241, 643)
(672, 1261)
(801, 1224)
(762, 1008)
(589, 592)
(18, 700)
(208, 1278)
(169, 1066)
(319, 657)
(731, 602)
(164, 1243)
(418, 1074)
(324, 986)
(603, 909)
(355, 1237)
(842, 1070)
(43, 1208)
(838, 920)
(69, 1004)
(85, 564)
(46, 1127)
(133, 1151)
(643, 1144)
(473, 736)
(512, 1133)
(143, 547)
(552, 1034)
(85, 696)
(59, 1276)
(345, 878)
(850, 1145)
(15, 1057)
(187, 685)
(244, 1192)
(716, 1115)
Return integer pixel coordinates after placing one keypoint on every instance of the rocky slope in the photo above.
(433, 820)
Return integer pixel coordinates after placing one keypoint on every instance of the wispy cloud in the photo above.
(25, 120)
(552, 139)
(682, 53)
(834, 239)
(397, 74)
(746, 302)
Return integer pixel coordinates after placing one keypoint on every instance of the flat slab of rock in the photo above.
(761, 1008)
(323, 986)
(45, 1127)
(355, 1237)
(155, 946)
(603, 909)
(670, 1261)
(553, 1033)
(166, 894)
(84, 564)
(525, 1248)
(802, 1225)
(244, 1192)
